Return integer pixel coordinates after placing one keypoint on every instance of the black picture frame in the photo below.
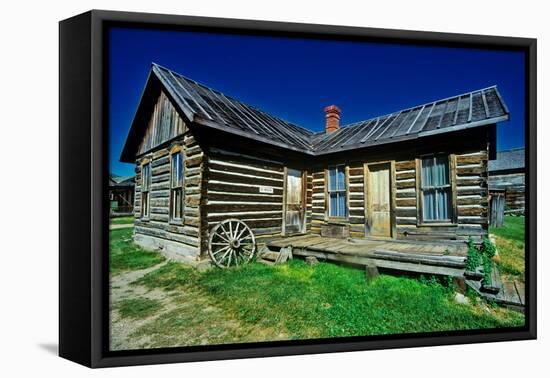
(83, 229)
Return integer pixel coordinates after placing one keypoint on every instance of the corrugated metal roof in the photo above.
(121, 181)
(212, 108)
(476, 108)
(508, 160)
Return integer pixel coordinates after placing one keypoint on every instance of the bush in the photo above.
(473, 260)
(487, 251)
(481, 256)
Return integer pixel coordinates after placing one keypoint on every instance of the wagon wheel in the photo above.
(231, 243)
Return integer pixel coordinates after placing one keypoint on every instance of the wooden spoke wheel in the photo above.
(231, 243)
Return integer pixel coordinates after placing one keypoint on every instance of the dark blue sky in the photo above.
(295, 78)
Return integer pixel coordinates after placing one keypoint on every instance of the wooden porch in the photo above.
(423, 257)
(427, 257)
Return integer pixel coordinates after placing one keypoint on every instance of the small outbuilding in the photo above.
(507, 177)
(121, 195)
(203, 157)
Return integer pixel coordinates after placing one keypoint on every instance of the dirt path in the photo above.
(185, 317)
(120, 289)
(118, 226)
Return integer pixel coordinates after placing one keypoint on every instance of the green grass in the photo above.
(291, 301)
(137, 308)
(122, 220)
(171, 276)
(328, 300)
(511, 246)
(126, 256)
(513, 229)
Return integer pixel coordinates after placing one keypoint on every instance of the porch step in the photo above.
(268, 256)
(509, 294)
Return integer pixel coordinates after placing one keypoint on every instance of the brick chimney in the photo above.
(333, 118)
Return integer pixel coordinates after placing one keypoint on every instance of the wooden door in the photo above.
(378, 200)
(294, 202)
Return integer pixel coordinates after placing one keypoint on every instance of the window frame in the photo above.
(453, 219)
(176, 150)
(145, 211)
(328, 191)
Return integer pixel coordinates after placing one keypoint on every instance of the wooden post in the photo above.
(497, 209)
(371, 272)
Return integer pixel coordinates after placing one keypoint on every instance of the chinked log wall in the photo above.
(234, 182)
(188, 233)
(355, 200)
(469, 171)
(309, 200)
(317, 200)
(514, 186)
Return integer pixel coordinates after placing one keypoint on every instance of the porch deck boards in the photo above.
(436, 248)
(446, 258)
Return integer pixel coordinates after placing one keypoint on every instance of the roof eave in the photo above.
(214, 125)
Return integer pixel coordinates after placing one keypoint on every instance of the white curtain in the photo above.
(436, 188)
(332, 179)
(337, 191)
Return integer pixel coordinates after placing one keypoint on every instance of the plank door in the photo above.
(294, 202)
(379, 200)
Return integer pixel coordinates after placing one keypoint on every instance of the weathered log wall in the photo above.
(159, 232)
(309, 200)
(514, 186)
(470, 198)
(356, 199)
(317, 200)
(239, 187)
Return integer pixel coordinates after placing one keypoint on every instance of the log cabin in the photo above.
(507, 176)
(202, 157)
(121, 195)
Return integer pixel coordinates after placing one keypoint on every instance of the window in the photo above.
(145, 188)
(436, 189)
(337, 191)
(176, 186)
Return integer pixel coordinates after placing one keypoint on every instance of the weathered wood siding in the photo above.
(233, 191)
(158, 231)
(164, 124)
